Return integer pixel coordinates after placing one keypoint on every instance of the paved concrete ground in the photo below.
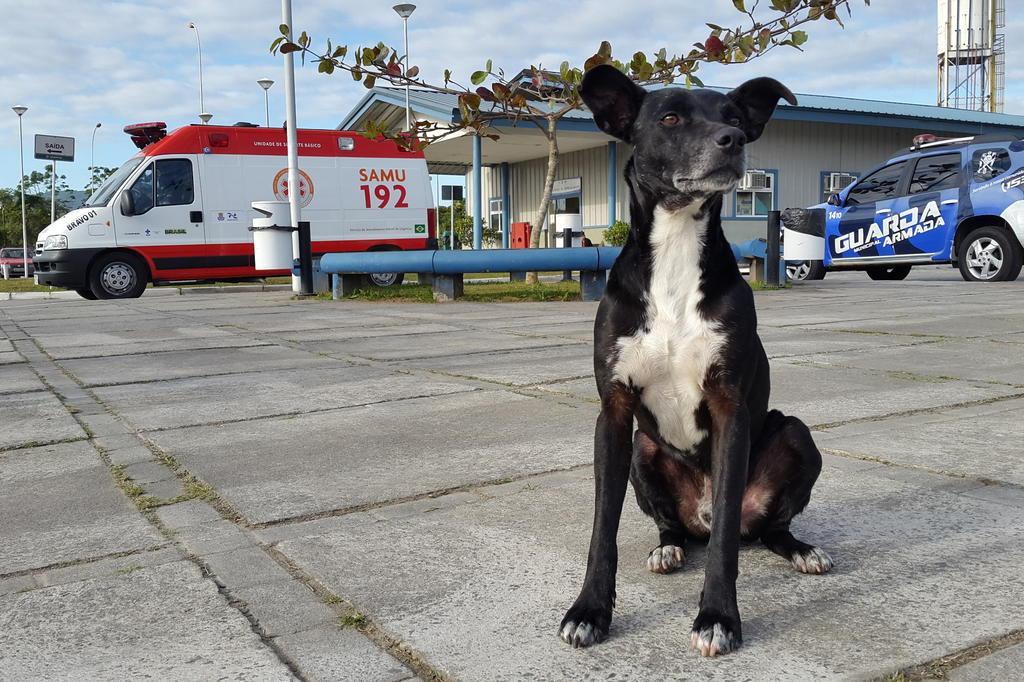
(242, 486)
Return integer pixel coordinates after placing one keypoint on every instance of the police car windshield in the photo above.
(103, 193)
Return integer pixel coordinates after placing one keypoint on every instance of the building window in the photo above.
(832, 182)
(755, 195)
(494, 216)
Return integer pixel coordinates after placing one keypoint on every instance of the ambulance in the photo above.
(180, 209)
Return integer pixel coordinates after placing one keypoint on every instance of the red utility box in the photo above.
(520, 236)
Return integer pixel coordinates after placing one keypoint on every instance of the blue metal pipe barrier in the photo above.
(448, 266)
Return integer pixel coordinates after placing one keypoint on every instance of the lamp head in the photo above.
(190, 24)
(98, 125)
(205, 117)
(265, 83)
(19, 109)
(404, 10)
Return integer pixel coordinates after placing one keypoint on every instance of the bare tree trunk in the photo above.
(545, 200)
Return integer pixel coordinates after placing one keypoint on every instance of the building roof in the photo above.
(819, 108)
(520, 142)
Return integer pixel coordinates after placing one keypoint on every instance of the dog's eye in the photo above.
(670, 119)
(734, 122)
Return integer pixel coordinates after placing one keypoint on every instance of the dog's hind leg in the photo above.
(786, 466)
(658, 488)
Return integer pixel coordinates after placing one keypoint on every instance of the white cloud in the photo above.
(76, 63)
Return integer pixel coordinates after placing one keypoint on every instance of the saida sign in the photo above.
(55, 148)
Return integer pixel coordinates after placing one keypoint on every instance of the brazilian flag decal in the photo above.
(421, 229)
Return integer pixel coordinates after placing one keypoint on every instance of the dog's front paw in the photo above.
(665, 559)
(714, 634)
(585, 625)
(814, 560)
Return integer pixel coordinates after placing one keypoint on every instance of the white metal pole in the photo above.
(451, 216)
(24, 222)
(53, 191)
(266, 100)
(199, 50)
(293, 139)
(408, 111)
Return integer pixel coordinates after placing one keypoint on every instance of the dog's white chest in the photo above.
(667, 360)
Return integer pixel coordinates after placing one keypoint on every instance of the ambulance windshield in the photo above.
(103, 193)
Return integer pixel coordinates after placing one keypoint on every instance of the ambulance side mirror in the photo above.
(127, 203)
(834, 200)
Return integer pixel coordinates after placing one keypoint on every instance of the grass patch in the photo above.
(758, 285)
(351, 620)
(128, 569)
(16, 284)
(496, 292)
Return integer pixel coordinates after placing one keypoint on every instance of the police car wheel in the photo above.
(386, 279)
(86, 293)
(118, 275)
(805, 270)
(896, 272)
(989, 254)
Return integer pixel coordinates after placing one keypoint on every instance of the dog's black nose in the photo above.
(731, 139)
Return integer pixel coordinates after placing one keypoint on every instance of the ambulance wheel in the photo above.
(386, 279)
(86, 293)
(118, 275)
(989, 254)
(804, 270)
(895, 272)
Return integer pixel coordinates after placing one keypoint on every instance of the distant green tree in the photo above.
(37, 206)
(463, 227)
(97, 174)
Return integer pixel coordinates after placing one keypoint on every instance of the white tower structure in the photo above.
(972, 54)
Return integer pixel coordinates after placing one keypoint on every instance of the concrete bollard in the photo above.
(447, 288)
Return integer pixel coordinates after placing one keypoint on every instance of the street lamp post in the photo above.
(199, 50)
(405, 11)
(265, 83)
(92, 152)
(20, 110)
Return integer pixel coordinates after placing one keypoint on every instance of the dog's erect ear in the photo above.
(757, 98)
(613, 98)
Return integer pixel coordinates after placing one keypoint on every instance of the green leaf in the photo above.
(799, 38)
(357, 74)
(738, 4)
(369, 81)
(489, 66)
(289, 47)
(284, 29)
(326, 66)
(478, 77)
(340, 51)
(273, 45)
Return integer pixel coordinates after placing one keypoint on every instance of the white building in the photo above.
(806, 151)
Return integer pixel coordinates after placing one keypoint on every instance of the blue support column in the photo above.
(506, 210)
(613, 177)
(478, 192)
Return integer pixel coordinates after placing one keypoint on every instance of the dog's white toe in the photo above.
(665, 559)
(713, 641)
(578, 634)
(815, 561)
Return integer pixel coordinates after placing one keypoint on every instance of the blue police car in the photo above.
(958, 201)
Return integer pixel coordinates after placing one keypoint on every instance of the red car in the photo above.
(12, 263)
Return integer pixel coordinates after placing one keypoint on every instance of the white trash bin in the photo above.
(272, 235)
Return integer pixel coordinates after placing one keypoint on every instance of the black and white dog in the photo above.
(676, 348)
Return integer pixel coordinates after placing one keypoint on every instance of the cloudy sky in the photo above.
(81, 62)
